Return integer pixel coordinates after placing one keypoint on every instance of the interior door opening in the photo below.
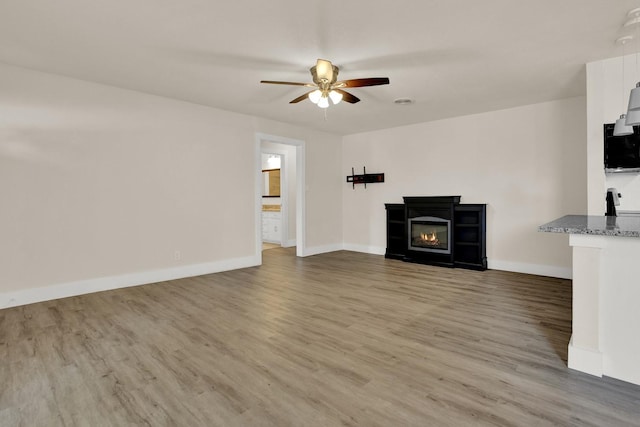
(279, 193)
(274, 229)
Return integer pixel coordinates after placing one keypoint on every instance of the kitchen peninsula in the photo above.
(605, 336)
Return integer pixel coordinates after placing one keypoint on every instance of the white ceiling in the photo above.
(453, 57)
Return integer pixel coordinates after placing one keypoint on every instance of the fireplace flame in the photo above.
(430, 238)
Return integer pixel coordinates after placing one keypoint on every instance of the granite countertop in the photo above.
(595, 225)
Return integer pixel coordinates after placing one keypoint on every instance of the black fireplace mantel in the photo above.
(468, 231)
(432, 200)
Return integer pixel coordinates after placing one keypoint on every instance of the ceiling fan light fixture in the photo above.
(315, 96)
(323, 102)
(336, 97)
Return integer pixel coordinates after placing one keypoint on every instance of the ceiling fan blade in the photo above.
(372, 81)
(300, 98)
(287, 83)
(324, 69)
(347, 97)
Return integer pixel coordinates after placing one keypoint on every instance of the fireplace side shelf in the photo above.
(469, 228)
(396, 231)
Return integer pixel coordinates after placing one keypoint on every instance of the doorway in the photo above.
(275, 200)
(290, 153)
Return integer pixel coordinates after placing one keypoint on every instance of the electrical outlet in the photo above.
(177, 255)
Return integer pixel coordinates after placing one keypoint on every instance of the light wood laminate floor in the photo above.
(266, 246)
(330, 340)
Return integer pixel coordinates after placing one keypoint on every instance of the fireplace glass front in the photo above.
(430, 234)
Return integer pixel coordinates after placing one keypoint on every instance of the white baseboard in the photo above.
(374, 250)
(289, 243)
(629, 375)
(585, 360)
(81, 287)
(316, 250)
(517, 267)
(537, 269)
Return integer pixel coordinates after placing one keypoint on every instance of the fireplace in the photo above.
(430, 234)
(437, 230)
(429, 230)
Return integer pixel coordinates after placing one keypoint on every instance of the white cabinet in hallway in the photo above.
(271, 228)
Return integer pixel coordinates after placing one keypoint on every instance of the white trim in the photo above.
(301, 194)
(630, 377)
(585, 360)
(537, 269)
(588, 241)
(257, 160)
(289, 243)
(81, 287)
(374, 250)
(316, 250)
(273, 242)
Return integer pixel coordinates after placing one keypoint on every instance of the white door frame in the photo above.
(300, 190)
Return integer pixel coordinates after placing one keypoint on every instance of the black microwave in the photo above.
(621, 153)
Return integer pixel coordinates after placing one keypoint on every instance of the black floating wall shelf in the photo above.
(365, 178)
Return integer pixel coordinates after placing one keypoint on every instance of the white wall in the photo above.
(528, 164)
(608, 96)
(103, 187)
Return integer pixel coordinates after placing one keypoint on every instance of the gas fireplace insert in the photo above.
(430, 234)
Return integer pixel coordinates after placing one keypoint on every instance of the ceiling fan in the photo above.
(326, 86)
